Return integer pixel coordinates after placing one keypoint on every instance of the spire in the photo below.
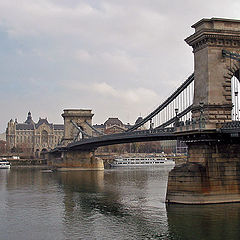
(29, 118)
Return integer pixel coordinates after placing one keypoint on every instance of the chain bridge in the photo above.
(203, 112)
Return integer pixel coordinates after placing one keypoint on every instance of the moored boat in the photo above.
(142, 162)
(4, 164)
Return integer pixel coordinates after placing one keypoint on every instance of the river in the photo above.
(111, 204)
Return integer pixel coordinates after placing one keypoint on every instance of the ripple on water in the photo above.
(118, 204)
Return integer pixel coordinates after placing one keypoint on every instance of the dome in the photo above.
(29, 118)
(113, 121)
(138, 120)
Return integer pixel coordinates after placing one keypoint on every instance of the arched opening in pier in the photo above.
(43, 152)
(78, 135)
(81, 136)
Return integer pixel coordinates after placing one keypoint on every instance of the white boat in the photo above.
(142, 161)
(4, 164)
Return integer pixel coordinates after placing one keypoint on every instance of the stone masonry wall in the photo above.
(211, 175)
(76, 160)
(213, 71)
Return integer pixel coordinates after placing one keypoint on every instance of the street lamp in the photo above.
(176, 111)
(176, 118)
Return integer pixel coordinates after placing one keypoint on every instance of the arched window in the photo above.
(44, 136)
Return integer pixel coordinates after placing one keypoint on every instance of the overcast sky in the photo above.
(120, 58)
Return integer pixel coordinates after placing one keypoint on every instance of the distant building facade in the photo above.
(36, 137)
(114, 125)
(111, 126)
(3, 146)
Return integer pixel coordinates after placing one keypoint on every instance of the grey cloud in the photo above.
(128, 45)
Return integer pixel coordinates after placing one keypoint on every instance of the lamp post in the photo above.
(176, 111)
(151, 124)
(176, 118)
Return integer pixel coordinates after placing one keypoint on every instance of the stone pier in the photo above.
(211, 175)
(212, 172)
(65, 158)
(75, 160)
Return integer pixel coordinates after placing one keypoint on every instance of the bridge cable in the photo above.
(172, 120)
(94, 129)
(79, 131)
(164, 104)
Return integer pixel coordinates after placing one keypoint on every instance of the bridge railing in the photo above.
(124, 134)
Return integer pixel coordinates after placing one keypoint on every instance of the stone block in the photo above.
(77, 160)
(216, 181)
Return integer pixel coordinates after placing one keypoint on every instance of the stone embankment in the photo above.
(106, 157)
(28, 162)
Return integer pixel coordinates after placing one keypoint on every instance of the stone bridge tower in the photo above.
(212, 171)
(75, 159)
(81, 117)
(213, 72)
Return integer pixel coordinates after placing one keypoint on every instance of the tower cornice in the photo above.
(215, 32)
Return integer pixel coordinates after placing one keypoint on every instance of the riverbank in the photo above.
(28, 162)
(106, 157)
(43, 167)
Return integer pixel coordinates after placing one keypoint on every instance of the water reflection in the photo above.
(27, 178)
(29, 205)
(114, 204)
(216, 221)
(111, 204)
(3, 177)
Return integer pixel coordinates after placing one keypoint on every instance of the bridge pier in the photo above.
(75, 160)
(211, 175)
(212, 172)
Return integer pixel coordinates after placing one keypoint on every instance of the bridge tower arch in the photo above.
(81, 118)
(213, 71)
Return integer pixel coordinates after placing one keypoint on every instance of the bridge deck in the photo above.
(127, 137)
(225, 132)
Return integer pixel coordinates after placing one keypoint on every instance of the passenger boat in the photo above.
(142, 161)
(4, 164)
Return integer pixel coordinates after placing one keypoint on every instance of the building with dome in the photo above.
(33, 137)
(114, 125)
(111, 126)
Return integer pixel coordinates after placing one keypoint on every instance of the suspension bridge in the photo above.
(203, 112)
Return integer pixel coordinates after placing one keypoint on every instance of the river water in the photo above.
(111, 204)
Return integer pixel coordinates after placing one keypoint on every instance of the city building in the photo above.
(3, 136)
(36, 138)
(111, 126)
(114, 125)
(3, 146)
(33, 137)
